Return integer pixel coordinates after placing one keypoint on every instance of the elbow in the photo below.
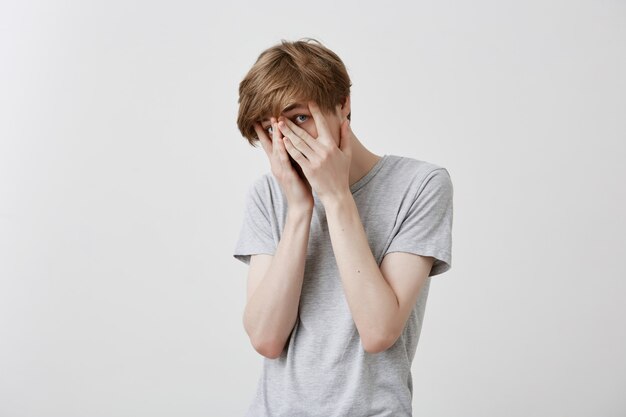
(378, 344)
(269, 349)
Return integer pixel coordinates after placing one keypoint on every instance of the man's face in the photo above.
(300, 115)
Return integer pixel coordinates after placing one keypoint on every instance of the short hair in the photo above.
(286, 73)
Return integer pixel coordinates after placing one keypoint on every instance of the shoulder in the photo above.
(413, 163)
(265, 187)
(262, 182)
(418, 171)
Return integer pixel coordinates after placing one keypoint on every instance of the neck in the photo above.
(363, 160)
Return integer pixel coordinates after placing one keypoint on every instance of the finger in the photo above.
(304, 135)
(296, 154)
(266, 143)
(297, 141)
(276, 136)
(281, 152)
(323, 131)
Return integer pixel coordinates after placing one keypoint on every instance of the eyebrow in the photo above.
(289, 108)
(293, 106)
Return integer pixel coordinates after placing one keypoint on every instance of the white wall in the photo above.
(122, 179)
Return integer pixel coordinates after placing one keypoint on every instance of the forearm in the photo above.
(271, 312)
(372, 302)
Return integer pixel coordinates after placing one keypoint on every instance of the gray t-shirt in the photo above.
(405, 205)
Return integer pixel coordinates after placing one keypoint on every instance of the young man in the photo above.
(341, 244)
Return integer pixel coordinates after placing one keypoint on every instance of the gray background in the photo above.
(122, 182)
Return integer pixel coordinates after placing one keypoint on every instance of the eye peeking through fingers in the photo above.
(301, 118)
(297, 119)
(268, 129)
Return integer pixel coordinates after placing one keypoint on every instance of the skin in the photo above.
(330, 159)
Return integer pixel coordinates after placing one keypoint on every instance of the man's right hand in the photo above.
(291, 178)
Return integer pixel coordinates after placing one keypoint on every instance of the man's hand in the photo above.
(325, 165)
(294, 184)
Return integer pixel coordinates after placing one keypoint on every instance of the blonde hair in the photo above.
(287, 73)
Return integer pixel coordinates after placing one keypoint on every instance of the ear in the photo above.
(345, 108)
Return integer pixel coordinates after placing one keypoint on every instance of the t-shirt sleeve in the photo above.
(427, 228)
(255, 235)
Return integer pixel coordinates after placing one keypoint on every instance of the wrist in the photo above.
(302, 212)
(337, 201)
